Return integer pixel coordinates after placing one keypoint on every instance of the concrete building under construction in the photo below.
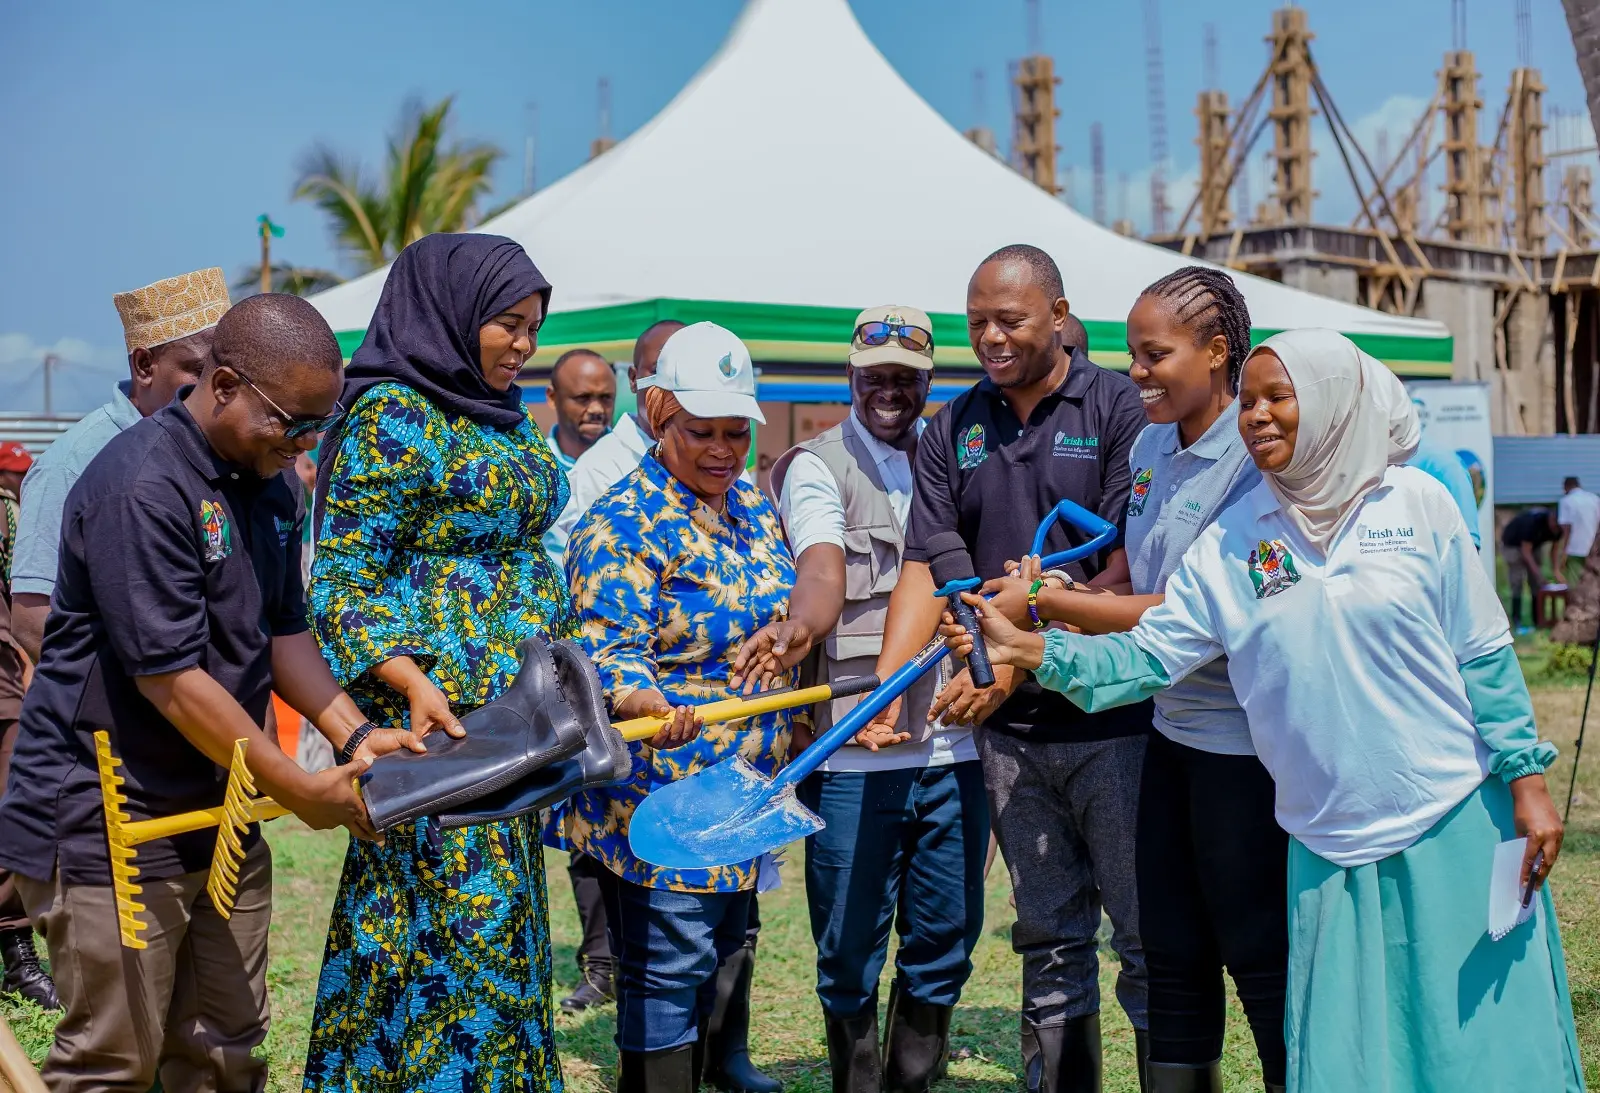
(1509, 263)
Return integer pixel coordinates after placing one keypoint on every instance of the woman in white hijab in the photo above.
(1374, 662)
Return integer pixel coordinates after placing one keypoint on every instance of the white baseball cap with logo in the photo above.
(708, 368)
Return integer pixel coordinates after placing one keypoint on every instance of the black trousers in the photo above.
(1211, 865)
(588, 881)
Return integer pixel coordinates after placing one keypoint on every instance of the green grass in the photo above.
(787, 1034)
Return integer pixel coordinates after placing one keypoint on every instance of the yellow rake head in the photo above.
(223, 883)
(239, 809)
(121, 843)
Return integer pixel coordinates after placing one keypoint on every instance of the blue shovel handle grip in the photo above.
(1103, 534)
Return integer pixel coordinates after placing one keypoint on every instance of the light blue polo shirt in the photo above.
(1176, 494)
(45, 488)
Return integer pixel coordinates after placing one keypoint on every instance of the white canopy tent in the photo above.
(796, 179)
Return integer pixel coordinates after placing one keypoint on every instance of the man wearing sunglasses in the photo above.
(907, 818)
(1045, 423)
(178, 608)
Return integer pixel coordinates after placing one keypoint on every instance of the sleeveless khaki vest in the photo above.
(873, 546)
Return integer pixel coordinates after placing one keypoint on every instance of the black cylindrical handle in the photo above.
(978, 665)
(853, 685)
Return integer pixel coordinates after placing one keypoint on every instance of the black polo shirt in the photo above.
(1531, 526)
(990, 477)
(171, 558)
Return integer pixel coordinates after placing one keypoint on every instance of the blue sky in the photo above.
(142, 140)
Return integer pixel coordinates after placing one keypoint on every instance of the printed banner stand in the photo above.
(1455, 416)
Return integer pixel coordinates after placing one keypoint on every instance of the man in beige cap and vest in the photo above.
(168, 328)
(907, 817)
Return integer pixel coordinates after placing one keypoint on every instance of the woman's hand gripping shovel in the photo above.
(732, 813)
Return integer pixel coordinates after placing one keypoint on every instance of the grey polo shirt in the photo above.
(1176, 494)
(44, 490)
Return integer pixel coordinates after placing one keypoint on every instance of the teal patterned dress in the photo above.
(436, 975)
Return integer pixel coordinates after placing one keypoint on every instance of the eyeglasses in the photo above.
(294, 427)
(913, 338)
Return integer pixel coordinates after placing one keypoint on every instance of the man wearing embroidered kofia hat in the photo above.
(168, 328)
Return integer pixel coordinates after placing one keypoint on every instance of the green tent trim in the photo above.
(785, 333)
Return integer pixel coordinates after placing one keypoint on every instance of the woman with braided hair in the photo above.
(1210, 856)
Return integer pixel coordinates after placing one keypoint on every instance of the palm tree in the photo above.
(427, 186)
(285, 277)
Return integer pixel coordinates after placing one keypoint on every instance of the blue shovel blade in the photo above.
(722, 815)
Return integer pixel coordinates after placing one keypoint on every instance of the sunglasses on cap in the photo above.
(294, 427)
(913, 338)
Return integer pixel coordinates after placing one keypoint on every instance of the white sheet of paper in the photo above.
(1506, 912)
(767, 875)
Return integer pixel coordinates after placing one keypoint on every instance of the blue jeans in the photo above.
(668, 945)
(903, 847)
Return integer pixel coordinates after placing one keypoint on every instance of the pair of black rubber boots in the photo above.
(720, 1058)
(911, 1055)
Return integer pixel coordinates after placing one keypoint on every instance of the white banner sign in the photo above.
(1455, 419)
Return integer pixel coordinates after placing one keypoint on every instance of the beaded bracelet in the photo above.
(1033, 603)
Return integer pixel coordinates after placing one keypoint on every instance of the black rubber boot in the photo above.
(1141, 1057)
(545, 716)
(669, 1071)
(1183, 1078)
(853, 1050)
(728, 1065)
(1062, 1058)
(916, 1042)
(24, 974)
(1273, 1087)
(597, 987)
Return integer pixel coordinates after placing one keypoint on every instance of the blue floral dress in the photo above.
(666, 591)
(436, 975)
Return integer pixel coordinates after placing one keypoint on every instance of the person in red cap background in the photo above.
(23, 973)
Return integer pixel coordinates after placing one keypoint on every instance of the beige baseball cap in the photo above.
(891, 350)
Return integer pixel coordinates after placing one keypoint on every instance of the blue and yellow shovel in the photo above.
(731, 812)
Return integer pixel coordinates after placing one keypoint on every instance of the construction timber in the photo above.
(1512, 272)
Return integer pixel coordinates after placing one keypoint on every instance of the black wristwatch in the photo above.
(348, 752)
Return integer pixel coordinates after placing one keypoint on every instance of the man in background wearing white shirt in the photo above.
(615, 455)
(906, 812)
(1579, 517)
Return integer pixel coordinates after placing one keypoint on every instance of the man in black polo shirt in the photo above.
(1044, 424)
(177, 610)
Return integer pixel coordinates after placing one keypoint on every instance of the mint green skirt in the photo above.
(1395, 985)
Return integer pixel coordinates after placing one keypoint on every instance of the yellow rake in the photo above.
(239, 809)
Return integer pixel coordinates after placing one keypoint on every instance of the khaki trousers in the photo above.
(189, 1008)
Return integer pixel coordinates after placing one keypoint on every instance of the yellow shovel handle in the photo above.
(729, 709)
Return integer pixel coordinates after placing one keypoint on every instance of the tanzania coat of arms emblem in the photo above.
(1272, 568)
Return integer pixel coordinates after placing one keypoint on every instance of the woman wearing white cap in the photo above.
(670, 572)
(1373, 658)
